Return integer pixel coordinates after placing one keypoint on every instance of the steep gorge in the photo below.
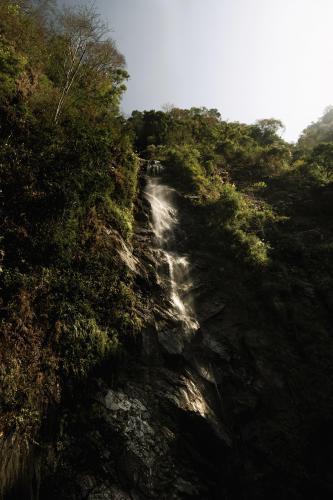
(199, 409)
(165, 286)
(157, 429)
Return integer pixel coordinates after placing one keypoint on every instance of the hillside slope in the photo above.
(103, 391)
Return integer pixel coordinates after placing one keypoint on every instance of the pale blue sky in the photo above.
(250, 59)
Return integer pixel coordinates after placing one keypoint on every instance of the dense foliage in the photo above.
(69, 164)
(317, 132)
(68, 181)
(261, 210)
(258, 193)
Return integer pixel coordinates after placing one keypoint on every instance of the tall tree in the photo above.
(83, 48)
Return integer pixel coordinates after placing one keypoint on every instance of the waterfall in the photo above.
(164, 223)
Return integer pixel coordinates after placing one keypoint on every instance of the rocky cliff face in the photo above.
(208, 414)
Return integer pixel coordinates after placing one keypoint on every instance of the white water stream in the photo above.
(164, 222)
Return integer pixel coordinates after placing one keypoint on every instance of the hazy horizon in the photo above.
(250, 59)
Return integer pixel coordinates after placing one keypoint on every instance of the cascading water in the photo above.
(164, 222)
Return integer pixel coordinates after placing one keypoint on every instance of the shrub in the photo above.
(84, 344)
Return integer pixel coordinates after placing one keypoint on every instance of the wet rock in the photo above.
(210, 310)
(172, 342)
(124, 251)
(216, 346)
(109, 493)
(200, 415)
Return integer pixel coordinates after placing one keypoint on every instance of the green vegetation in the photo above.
(265, 206)
(68, 184)
(221, 166)
(320, 131)
(69, 167)
(258, 215)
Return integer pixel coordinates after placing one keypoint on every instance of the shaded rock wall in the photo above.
(214, 416)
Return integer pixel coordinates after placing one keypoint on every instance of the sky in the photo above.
(250, 59)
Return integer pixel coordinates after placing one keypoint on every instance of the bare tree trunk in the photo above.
(71, 76)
